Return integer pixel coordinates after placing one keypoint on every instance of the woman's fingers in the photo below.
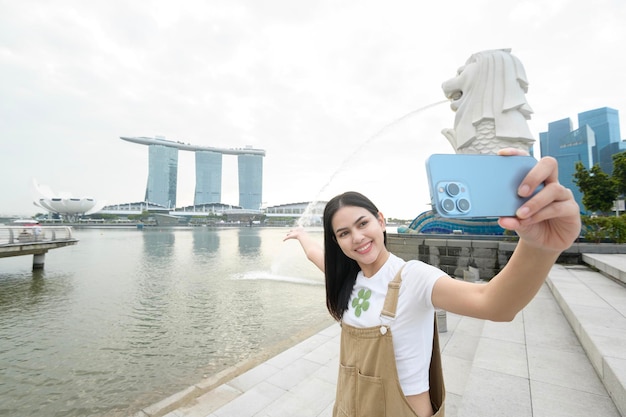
(545, 172)
(512, 151)
(294, 233)
(551, 192)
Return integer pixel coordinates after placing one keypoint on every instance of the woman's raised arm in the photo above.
(312, 249)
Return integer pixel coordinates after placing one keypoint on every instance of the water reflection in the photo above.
(205, 241)
(28, 289)
(159, 243)
(249, 241)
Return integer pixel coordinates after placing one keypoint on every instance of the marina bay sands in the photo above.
(163, 172)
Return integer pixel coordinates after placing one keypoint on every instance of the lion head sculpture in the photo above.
(488, 95)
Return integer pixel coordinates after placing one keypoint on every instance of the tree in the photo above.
(598, 188)
(619, 172)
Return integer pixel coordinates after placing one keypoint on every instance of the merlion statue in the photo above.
(488, 95)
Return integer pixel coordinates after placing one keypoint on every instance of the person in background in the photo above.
(386, 305)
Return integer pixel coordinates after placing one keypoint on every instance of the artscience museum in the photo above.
(64, 204)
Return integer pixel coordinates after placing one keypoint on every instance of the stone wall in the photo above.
(453, 254)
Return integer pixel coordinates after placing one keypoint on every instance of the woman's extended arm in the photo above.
(313, 249)
(547, 224)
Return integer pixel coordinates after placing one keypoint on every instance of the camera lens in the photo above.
(463, 205)
(452, 189)
(447, 205)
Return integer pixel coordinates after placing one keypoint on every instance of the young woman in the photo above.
(387, 334)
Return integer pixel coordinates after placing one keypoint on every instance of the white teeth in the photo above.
(364, 248)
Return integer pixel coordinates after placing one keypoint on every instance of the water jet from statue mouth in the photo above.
(307, 219)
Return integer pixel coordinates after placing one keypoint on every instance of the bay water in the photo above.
(128, 317)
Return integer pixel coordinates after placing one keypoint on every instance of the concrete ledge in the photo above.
(611, 265)
(171, 403)
(595, 306)
(615, 375)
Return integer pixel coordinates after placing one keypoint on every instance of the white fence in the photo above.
(19, 235)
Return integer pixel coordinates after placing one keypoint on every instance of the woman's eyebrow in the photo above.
(345, 228)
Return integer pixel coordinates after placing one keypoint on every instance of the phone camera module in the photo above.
(452, 189)
(453, 199)
(463, 205)
(447, 205)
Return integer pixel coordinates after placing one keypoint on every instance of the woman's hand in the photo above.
(550, 219)
(296, 233)
(313, 249)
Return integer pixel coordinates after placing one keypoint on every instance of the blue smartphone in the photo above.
(469, 186)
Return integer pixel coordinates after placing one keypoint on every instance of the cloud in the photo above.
(312, 83)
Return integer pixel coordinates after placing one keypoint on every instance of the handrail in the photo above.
(19, 235)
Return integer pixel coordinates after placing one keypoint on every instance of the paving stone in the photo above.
(556, 401)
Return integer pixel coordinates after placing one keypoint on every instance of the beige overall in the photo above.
(368, 384)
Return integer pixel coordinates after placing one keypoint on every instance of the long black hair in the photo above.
(340, 270)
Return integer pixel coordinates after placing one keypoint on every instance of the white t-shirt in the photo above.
(412, 329)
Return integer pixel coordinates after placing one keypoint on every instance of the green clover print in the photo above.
(360, 303)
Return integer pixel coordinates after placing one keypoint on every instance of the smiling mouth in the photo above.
(364, 248)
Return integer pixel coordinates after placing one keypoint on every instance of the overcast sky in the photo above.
(319, 84)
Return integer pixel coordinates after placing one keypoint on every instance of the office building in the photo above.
(605, 124)
(595, 141)
(557, 129)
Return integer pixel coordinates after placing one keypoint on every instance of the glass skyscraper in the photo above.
(556, 130)
(250, 168)
(162, 175)
(573, 147)
(605, 124)
(595, 141)
(208, 177)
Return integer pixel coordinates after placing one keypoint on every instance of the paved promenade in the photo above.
(563, 355)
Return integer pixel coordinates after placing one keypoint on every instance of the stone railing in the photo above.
(454, 254)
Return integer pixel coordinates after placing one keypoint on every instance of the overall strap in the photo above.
(391, 300)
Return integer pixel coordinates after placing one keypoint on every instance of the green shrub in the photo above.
(604, 229)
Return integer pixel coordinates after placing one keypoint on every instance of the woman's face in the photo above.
(360, 236)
